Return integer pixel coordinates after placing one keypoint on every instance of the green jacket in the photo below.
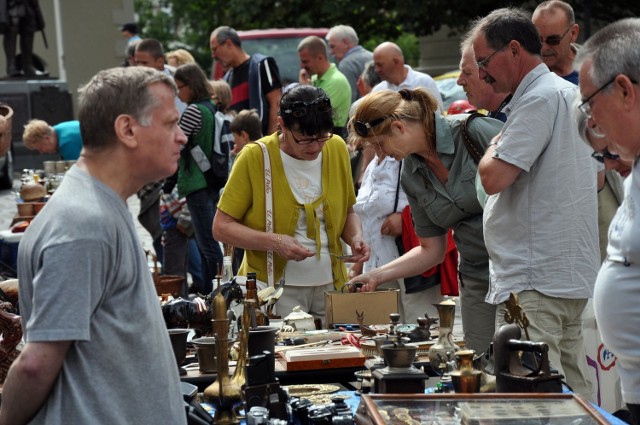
(190, 178)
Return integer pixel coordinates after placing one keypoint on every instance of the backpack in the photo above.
(218, 174)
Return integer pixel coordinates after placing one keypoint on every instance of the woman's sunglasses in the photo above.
(301, 109)
(362, 128)
(601, 156)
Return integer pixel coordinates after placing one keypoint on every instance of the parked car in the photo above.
(279, 43)
(6, 154)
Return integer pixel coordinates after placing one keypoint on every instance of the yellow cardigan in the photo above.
(243, 199)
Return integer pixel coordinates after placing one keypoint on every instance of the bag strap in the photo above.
(395, 203)
(473, 147)
(268, 204)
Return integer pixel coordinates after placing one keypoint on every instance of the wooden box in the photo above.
(322, 358)
(341, 307)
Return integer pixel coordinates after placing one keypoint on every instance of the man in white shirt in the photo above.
(540, 220)
(389, 63)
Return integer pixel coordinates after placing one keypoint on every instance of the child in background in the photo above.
(246, 127)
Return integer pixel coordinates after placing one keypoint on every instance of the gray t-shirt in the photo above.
(83, 277)
(435, 207)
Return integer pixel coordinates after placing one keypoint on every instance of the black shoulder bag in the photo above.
(473, 147)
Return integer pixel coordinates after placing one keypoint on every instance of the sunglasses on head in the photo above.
(300, 109)
(362, 128)
(601, 156)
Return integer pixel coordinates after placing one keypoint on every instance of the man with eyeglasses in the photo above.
(609, 66)
(558, 30)
(479, 93)
(540, 220)
(254, 79)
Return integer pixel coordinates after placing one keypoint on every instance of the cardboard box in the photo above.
(340, 307)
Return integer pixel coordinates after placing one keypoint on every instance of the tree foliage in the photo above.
(188, 24)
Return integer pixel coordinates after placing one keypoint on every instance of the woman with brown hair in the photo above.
(438, 176)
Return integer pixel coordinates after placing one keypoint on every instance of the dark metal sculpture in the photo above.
(20, 19)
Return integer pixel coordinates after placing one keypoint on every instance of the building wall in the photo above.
(439, 52)
(87, 39)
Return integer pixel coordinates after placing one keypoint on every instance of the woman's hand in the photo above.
(392, 225)
(355, 270)
(363, 283)
(290, 248)
(360, 251)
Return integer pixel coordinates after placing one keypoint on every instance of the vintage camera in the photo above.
(263, 388)
(201, 159)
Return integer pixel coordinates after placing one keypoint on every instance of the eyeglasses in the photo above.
(585, 106)
(554, 40)
(362, 128)
(180, 86)
(484, 62)
(301, 109)
(214, 48)
(321, 139)
(601, 156)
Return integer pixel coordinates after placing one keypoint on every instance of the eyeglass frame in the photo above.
(317, 104)
(605, 154)
(362, 128)
(323, 139)
(555, 39)
(214, 49)
(483, 63)
(585, 106)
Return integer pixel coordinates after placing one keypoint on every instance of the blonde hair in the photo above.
(181, 56)
(221, 94)
(406, 105)
(34, 131)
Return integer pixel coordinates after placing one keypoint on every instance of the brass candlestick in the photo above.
(239, 377)
(223, 393)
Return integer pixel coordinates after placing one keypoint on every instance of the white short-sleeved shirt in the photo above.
(617, 291)
(374, 204)
(542, 231)
(414, 80)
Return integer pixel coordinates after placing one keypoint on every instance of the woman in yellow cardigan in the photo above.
(313, 197)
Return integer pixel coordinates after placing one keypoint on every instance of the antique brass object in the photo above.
(466, 379)
(239, 377)
(443, 350)
(223, 393)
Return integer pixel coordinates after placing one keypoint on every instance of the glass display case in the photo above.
(477, 409)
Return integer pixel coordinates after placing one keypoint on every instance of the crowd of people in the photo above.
(528, 190)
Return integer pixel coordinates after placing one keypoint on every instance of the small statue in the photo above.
(515, 314)
(20, 18)
(364, 330)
